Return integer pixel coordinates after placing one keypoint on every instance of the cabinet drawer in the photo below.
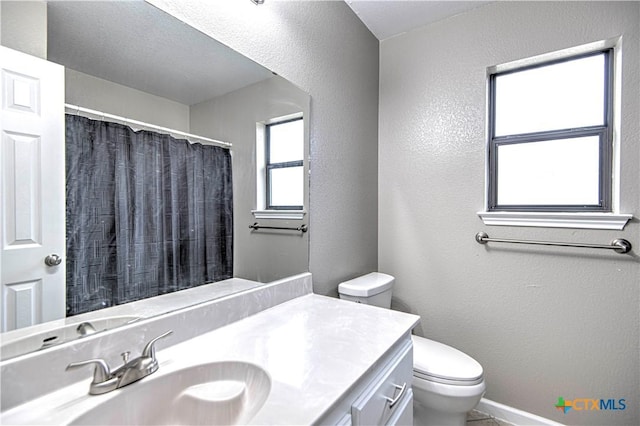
(387, 393)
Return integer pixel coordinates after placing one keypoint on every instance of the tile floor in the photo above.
(478, 418)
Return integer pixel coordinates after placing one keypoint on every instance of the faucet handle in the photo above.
(101, 373)
(149, 350)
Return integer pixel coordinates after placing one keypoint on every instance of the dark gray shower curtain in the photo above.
(147, 214)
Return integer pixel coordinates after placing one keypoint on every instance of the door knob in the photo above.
(52, 260)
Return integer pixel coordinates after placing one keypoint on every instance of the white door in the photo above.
(32, 190)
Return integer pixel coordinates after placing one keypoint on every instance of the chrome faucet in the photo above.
(105, 380)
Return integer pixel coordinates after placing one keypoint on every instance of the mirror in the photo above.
(133, 60)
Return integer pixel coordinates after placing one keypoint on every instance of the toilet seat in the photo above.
(437, 362)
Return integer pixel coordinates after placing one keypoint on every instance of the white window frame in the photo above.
(272, 166)
(261, 211)
(608, 217)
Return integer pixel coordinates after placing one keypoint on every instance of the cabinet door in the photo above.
(32, 190)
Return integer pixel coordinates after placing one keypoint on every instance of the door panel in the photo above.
(22, 171)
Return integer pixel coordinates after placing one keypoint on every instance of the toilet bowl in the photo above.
(447, 383)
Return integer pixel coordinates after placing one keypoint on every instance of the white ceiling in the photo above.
(387, 18)
(134, 44)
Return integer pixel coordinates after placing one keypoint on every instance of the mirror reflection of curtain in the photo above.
(147, 214)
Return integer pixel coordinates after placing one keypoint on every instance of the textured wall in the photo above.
(260, 256)
(105, 96)
(323, 48)
(23, 26)
(544, 322)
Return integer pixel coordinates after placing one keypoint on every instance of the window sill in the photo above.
(279, 214)
(557, 220)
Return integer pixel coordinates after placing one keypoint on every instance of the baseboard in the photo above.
(512, 415)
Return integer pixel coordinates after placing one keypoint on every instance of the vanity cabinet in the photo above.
(384, 395)
(388, 399)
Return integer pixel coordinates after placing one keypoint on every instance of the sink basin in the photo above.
(220, 393)
(44, 339)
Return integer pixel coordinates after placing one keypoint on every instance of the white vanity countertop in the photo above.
(315, 349)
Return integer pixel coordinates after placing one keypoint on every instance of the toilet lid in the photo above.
(443, 364)
(367, 285)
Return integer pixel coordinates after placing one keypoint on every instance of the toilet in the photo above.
(447, 383)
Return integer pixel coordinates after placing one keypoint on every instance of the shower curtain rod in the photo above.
(126, 120)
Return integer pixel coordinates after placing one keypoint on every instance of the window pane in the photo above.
(556, 172)
(286, 141)
(286, 186)
(553, 97)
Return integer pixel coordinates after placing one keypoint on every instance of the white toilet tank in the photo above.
(371, 289)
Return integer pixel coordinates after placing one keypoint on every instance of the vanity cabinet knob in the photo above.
(52, 260)
(393, 401)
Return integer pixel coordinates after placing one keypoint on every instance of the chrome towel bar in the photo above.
(301, 228)
(619, 245)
